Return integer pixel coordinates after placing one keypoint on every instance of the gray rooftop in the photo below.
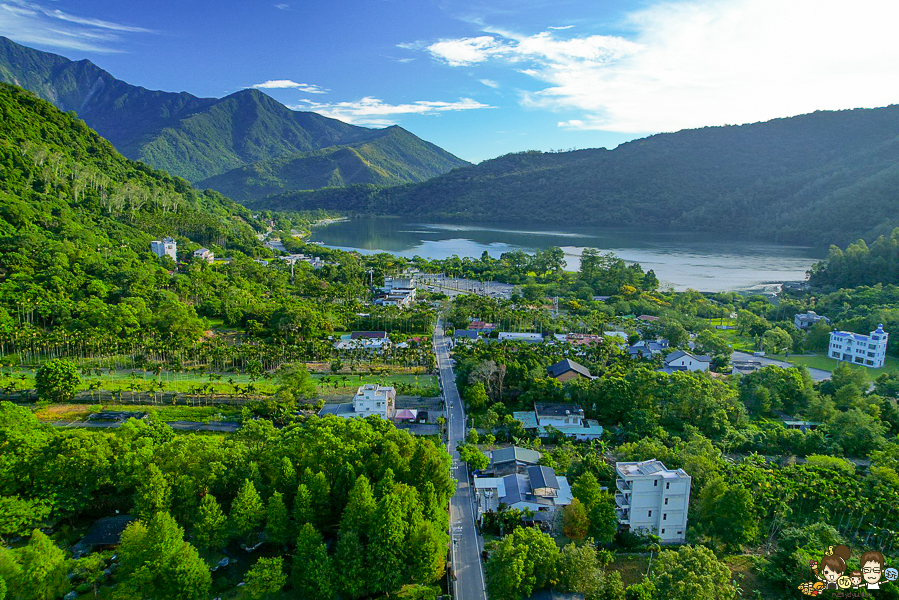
(563, 366)
(543, 477)
(515, 454)
(558, 410)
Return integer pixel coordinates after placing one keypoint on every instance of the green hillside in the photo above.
(194, 138)
(826, 177)
(393, 158)
(77, 218)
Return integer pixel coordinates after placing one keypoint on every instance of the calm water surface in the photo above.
(680, 260)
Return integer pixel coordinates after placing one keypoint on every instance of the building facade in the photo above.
(858, 349)
(371, 399)
(653, 498)
(807, 320)
(165, 247)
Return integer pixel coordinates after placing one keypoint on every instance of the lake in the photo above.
(680, 260)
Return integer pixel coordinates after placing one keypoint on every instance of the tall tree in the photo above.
(265, 578)
(211, 530)
(313, 575)
(692, 573)
(277, 522)
(153, 493)
(247, 511)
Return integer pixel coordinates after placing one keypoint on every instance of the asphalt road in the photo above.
(817, 374)
(469, 582)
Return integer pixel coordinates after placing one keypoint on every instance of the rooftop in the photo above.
(563, 366)
(514, 453)
(649, 467)
(558, 410)
(106, 531)
(371, 335)
(542, 477)
(680, 354)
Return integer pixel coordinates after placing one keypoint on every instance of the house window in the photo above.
(663, 532)
(668, 485)
(681, 532)
(650, 513)
(666, 501)
(655, 483)
(664, 516)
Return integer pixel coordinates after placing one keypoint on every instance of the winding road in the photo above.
(469, 582)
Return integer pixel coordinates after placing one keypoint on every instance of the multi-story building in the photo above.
(204, 254)
(652, 498)
(370, 399)
(165, 247)
(858, 349)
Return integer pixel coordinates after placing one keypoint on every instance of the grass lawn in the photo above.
(631, 566)
(738, 342)
(79, 412)
(819, 361)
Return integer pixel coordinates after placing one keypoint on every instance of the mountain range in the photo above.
(820, 178)
(246, 142)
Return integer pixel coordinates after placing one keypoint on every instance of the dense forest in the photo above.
(198, 138)
(825, 177)
(349, 509)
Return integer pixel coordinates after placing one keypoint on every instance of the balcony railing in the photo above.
(624, 516)
(623, 485)
(622, 501)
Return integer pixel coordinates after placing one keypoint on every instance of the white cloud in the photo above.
(691, 63)
(283, 84)
(560, 27)
(374, 111)
(489, 83)
(58, 14)
(31, 22)
(467, 51)
(282, 6)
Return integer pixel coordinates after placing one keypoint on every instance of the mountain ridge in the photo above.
(185, 135)
(824, 177)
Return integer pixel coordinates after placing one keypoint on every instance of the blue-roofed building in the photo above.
(536, 488)
(859, 349)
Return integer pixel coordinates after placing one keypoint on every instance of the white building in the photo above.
(808, 320)
(535, 488)
(868, 350)
(166, 247)
(370, 399)
(375, 399)
(653, 498)
(204, 254)
(559, 415)
(684, 361)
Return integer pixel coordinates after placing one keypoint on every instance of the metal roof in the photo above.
(514, 454)
(563, 366)
(542, 477)
(558, 410)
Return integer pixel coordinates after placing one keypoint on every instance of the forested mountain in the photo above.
(393, 157)
(76, 221)
(198, 138)
(825, 177)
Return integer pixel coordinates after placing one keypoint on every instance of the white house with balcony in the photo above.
(859, 349)
(653, 499)
(370, 399)
(165, 247)
(204, 254)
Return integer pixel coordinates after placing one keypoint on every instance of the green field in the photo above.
(79, 412)
(225, 383)
(828, 364)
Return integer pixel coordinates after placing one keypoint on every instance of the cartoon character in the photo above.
(833, 566)
(812, 588)
(891, 574)
(856, 577)
(872, 567)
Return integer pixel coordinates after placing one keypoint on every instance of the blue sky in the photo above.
(485, 78)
